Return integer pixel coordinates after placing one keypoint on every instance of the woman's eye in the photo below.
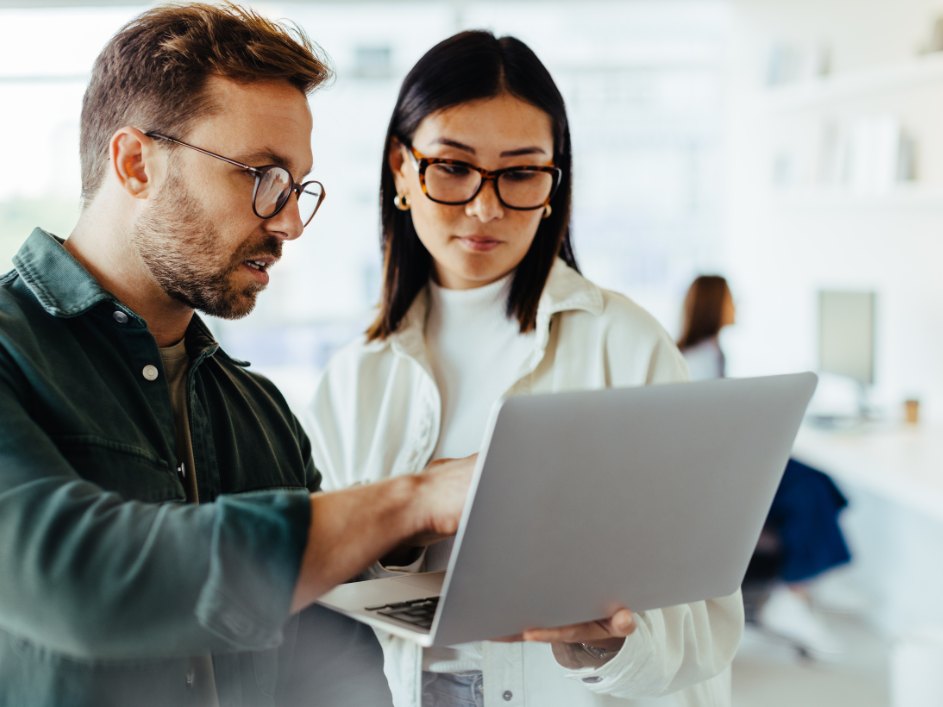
(521, 176)
(454, 170)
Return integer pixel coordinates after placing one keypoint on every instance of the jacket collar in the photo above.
(63, 287)
(565, 290)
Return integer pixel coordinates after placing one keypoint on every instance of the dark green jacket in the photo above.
(108, 580)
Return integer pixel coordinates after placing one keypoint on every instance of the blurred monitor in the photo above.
(846, 334)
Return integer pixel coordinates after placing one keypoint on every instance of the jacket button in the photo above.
(507, 695)
(121, 317)
(150, 372)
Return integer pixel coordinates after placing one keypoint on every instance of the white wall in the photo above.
(784, 245)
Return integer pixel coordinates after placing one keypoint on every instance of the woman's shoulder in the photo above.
(356, 356)
(600, 307)
(705, 359)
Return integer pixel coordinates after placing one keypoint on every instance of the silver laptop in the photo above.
(581, 502)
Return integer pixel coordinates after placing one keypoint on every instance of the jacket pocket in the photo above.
(136, 474)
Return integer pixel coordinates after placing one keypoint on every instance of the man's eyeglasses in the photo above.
(453, 182)
(273, 186)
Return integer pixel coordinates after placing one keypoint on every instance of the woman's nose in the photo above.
(486, 206)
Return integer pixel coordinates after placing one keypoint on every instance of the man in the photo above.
(160, 526)
(158, 521)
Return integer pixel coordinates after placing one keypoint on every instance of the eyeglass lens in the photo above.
(518, 189)
(274, 190)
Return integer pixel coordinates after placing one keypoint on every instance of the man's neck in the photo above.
(102, 246)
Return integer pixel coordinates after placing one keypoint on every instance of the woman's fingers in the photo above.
(606, 633)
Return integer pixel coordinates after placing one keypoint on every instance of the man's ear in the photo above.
(397, 160)
(134, 161)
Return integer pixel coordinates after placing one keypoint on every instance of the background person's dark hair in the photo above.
(153, 72)
(703, 310)
(467, 67)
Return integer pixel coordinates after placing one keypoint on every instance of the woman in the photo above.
(801, 531)
(708, 308)
(482, 298)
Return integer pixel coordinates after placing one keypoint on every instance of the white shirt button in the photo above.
(121, 317)
(150, 372)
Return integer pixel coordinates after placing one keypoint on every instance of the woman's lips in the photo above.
(479, 244)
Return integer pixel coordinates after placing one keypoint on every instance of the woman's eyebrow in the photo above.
(531, 150)
(456, 144)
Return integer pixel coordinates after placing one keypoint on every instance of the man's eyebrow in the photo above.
(530, 150)
(265, 157)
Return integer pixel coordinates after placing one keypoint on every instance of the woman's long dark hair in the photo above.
(467, 67)
(703, 310)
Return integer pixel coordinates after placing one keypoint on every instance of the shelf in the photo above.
(902, 197)
(820, 92)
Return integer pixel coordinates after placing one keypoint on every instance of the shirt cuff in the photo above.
(631, 665)
(258, 543)
(412, 568)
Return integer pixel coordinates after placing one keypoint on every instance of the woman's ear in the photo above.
(397, 161)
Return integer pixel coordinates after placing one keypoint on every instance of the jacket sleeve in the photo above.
(679, 646)
(672, 648)
(90, 575)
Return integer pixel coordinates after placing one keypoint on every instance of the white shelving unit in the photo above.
(833, 198)
(822, 92)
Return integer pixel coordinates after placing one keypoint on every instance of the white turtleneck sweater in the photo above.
(476, 352)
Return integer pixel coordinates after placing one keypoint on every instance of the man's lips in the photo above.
(258, 267)
(479, 244)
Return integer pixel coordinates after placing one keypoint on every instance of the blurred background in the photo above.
(795, 147)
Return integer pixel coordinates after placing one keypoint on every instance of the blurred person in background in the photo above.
(482, 298)
(802, 530)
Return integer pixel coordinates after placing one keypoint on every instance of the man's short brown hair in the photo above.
(152, 74)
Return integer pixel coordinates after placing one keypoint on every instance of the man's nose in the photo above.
(287, 223)
(486, 206)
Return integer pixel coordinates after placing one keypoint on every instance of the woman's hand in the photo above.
(608, 634)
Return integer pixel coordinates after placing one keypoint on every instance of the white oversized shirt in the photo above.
(376, 413)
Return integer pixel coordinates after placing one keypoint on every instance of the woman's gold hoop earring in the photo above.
(401, 202)
(547, 211)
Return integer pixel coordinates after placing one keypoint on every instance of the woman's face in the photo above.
(728, 314)
(476, 243)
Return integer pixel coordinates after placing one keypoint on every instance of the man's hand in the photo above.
(446, 489)
(450, 470)
(609, 634)
(352, 528)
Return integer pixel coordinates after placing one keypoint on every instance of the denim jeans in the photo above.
(453, 689)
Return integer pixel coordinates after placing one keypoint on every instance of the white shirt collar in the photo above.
(565, 290)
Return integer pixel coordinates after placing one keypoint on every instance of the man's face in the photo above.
(199, 232)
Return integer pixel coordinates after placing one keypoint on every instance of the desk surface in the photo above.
(903, 463)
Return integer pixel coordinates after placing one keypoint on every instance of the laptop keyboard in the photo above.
(418, 612)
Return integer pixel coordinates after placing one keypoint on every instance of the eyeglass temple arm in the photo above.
(248, 168)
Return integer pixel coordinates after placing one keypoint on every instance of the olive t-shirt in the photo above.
(200, 676)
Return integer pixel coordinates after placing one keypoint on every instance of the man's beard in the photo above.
(185, 254)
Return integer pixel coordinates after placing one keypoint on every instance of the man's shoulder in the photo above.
(20, 311)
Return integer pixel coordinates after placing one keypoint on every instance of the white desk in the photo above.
(893, 477)
(901, 463)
